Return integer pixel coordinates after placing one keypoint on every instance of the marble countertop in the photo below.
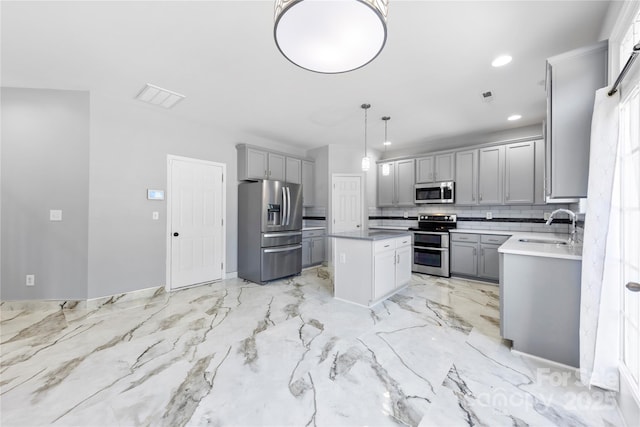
(312, 228)
(549, 250)
(370, 234)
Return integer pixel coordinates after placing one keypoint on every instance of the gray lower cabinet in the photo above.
(476, 255)
(540, 306)
(313, 247)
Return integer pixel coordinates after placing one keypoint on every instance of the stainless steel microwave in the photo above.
(435, 192)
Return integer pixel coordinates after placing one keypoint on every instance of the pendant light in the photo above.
(385, 166)
(330, 36)
(365, 160)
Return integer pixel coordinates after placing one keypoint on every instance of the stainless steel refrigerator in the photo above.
(269, 230)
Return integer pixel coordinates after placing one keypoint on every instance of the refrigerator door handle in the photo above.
(287, 249)
(283, 212)
(288, 206)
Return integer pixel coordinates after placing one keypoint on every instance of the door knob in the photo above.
(358, 225)
(176, 234)
(633, 287)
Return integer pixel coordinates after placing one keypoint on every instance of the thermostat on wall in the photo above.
(155, 194)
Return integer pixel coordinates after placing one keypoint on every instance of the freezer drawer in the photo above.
(282, 238)
(280, 262)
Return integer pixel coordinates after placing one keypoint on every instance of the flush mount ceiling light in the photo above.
(501, 61)
(514, 117)
(333, 36)
(366, 163)
(385, 166)
(158, 96)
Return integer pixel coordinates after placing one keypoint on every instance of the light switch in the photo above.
(55, 215)
(343, 258)
(155, 215)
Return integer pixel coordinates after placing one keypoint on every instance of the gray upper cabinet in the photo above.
(491, 175)
(439, 167)
(252, 164)
(294, 171)
(572, 79)
(466, 177)
(519, 173)
(308, 183)
(276, 167)
(424, 169)
(386, 186)
(396, 189)
(444, 167)
(255, 163)
(539, 197)
(406, 178)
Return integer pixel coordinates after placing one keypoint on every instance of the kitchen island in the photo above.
(370, 265)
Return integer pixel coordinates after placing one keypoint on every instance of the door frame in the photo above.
(170, 159)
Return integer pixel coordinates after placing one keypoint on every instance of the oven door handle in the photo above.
(431, 249)
(437, 233)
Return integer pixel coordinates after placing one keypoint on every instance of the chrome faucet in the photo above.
(572, 215)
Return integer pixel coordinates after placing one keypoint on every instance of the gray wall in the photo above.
(45, 165)
(130, 142)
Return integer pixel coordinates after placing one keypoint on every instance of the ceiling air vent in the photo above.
(158, 96)
(487, 96)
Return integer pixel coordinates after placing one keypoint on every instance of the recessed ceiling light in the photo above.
(514, 117)
(501, 60)
(158, 96)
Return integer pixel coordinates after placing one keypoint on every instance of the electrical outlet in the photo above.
(31, 280)
(155, 215)
(406, 214)
(547, 215)
(489, 215)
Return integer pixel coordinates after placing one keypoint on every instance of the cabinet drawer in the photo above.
(464, 237)
(403, 241)
(312, 233)
(385, 245)
(494, 239)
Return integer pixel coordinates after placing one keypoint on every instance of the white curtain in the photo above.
(599, 303)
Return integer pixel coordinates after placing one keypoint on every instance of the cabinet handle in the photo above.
(397, 259)
(481, 197)
(435, 176)
(482, 252)
(475, 252)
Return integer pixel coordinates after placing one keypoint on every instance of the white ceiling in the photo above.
(222, 56)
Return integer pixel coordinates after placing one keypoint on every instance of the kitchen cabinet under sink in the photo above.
(540, 305)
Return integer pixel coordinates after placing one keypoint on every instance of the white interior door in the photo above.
(196, 222)
(346, 203)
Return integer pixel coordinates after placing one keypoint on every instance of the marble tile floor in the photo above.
(235, 353)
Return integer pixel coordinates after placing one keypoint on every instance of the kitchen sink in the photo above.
(546, 241)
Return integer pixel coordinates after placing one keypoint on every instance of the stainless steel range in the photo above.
(431, 244)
